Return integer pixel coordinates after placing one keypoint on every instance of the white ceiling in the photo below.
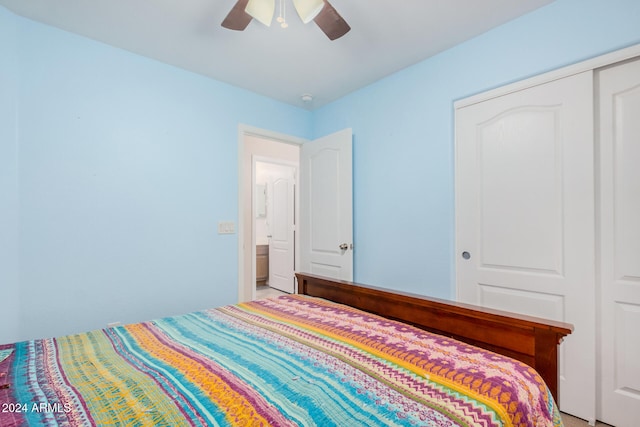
(385, 36)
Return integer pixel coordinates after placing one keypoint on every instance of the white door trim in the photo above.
(246, 292)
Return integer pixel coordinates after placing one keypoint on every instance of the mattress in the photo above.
(286, 361)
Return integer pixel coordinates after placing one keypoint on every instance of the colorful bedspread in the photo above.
(285, 361)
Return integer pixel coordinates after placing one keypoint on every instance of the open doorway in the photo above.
(325, 175)
(275, 183)
(258, 145)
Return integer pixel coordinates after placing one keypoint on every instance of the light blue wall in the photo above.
(125, 167)
(9, 214)
(403, 134)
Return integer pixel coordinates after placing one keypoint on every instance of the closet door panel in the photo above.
(525, 218)
(512, 158)
(619, 153)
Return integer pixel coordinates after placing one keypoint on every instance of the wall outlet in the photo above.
(226, 227)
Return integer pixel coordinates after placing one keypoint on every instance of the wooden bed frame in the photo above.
(531, 340)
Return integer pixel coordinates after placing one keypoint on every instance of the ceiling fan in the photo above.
(320, 11)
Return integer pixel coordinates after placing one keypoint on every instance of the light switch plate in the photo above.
(226, 227)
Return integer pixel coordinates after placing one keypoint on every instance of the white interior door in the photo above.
(525, 217)
(326, 213)
(281, 219)
(619, 151)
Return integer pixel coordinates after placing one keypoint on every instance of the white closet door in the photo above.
(619, 149)
(525, 217)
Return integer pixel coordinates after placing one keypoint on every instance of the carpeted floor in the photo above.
(570, 421)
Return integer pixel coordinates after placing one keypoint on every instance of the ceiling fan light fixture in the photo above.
(320, 11)
(261, 10)
(308, 9)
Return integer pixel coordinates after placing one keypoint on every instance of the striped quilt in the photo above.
(286, 361)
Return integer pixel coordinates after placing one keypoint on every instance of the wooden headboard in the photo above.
(531, 340)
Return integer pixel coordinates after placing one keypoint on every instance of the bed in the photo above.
(335, 354)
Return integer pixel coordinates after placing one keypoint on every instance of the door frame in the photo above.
(246, 235)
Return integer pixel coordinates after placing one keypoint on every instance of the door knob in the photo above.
(466, 255)
(344, 246)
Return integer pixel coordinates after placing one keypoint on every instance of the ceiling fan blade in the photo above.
(237, 19)
(331, 23)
